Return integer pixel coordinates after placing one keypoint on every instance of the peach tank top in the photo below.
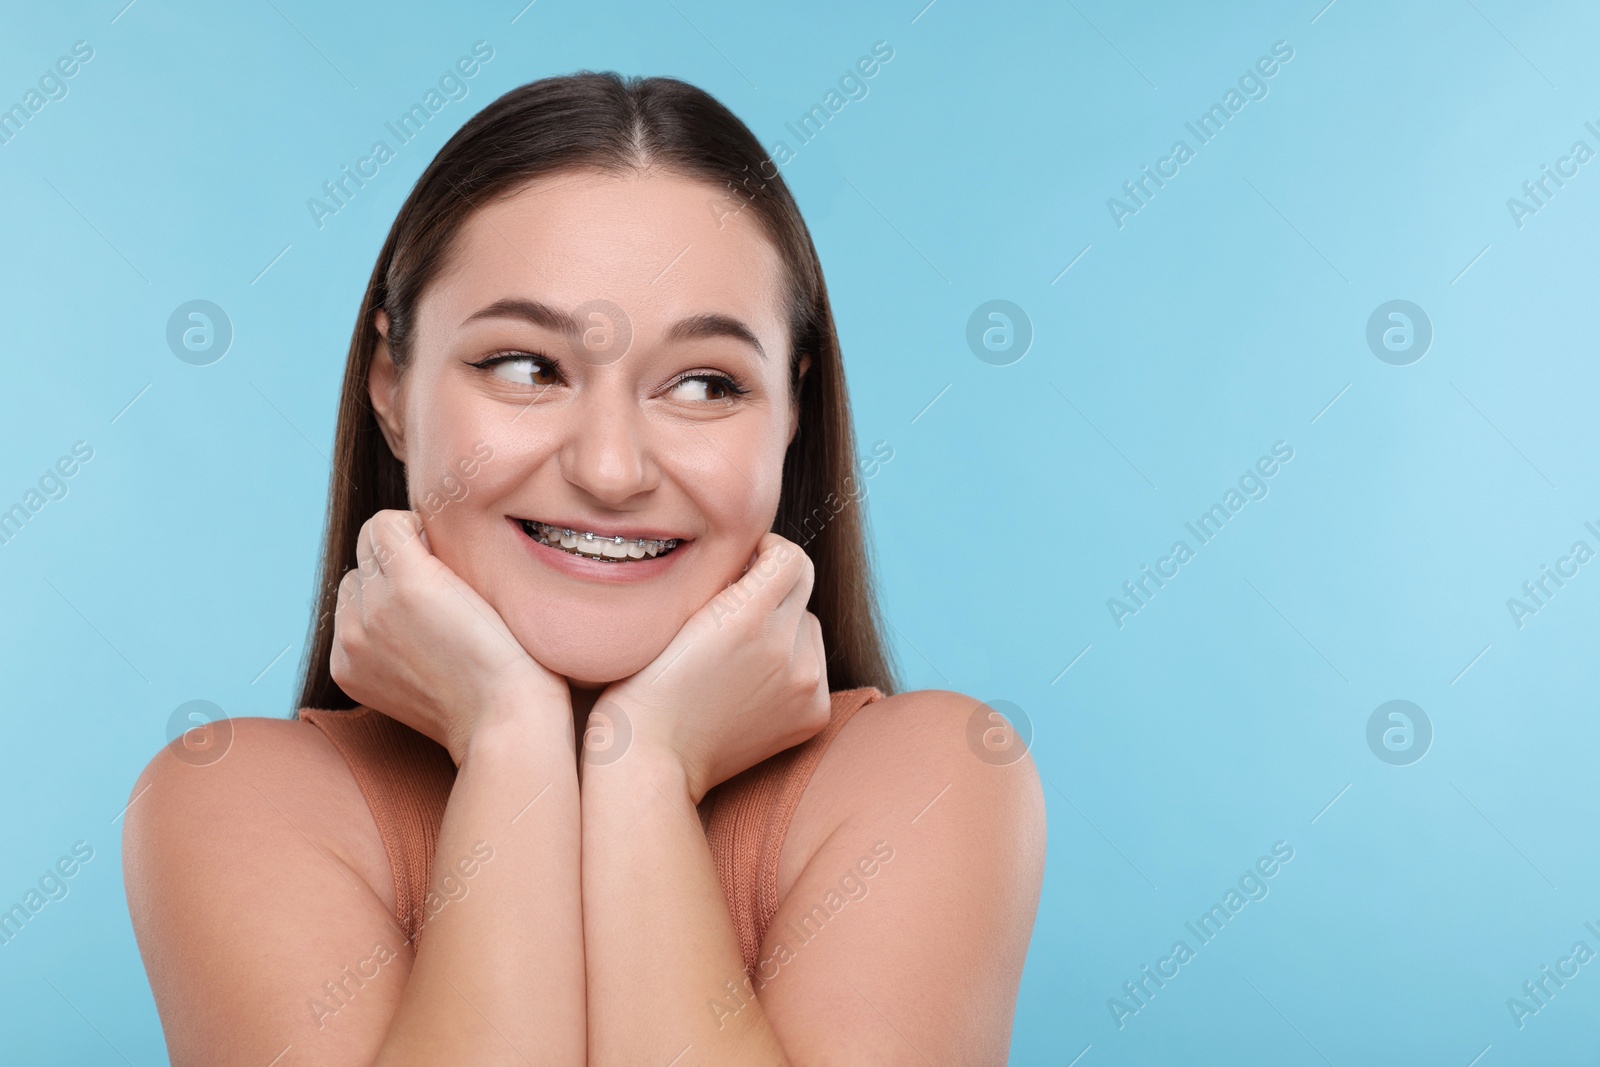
(406, 779)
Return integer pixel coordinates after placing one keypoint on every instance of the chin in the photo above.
(590, 633)
(593, 663)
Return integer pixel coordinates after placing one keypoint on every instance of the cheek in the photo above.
(735, 479)
(442, 430)
(465, 450)
(472, 482)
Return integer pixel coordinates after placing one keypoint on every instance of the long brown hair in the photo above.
(604, 121)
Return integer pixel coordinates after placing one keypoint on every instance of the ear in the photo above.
(383, 387)
(794, 401)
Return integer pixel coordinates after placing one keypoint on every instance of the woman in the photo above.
(568, 783)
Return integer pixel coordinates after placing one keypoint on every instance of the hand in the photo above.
(413, 640)
(745, 678)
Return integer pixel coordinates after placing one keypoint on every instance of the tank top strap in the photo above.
(746, 820)
(406, 779)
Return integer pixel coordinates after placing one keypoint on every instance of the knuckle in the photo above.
(403, 595)
(347, 642)
(802, 676)
(810, 676)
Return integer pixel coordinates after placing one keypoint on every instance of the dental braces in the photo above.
(662, 545)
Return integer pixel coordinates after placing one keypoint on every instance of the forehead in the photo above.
(660, 246)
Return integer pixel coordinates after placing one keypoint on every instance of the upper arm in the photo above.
(902, 938)
(254, 903)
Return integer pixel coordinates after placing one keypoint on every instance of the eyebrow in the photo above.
(706, 324)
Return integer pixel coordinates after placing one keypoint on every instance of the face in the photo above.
(660, 416)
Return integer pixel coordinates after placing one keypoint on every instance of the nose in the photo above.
(607, 452)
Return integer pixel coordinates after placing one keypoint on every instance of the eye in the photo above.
(522, 368)
(707, 388)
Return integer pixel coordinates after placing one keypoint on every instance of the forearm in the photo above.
(660, 945)
(499, 970)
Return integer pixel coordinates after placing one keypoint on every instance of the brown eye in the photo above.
(524, 370)
(706, 388)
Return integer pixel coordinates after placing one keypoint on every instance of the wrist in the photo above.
(518, 724)
(646, 765)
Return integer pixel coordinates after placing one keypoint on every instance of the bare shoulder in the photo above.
(910, 891)
(931, 761)
(265, 780)
(254, 872)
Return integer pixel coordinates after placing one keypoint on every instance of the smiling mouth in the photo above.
(590, 545)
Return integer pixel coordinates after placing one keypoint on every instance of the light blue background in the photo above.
(1223, 317)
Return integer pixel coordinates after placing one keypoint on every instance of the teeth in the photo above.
(595, 546)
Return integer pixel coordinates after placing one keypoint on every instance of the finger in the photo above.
(350, 611)
(755, 554)
(406, 538)
(790, 609)
(369, 546)
(822, 657)
(808, 638)
(393, 539)
(365, 564)
(779, 562)
(339, 665)
(349, 592)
